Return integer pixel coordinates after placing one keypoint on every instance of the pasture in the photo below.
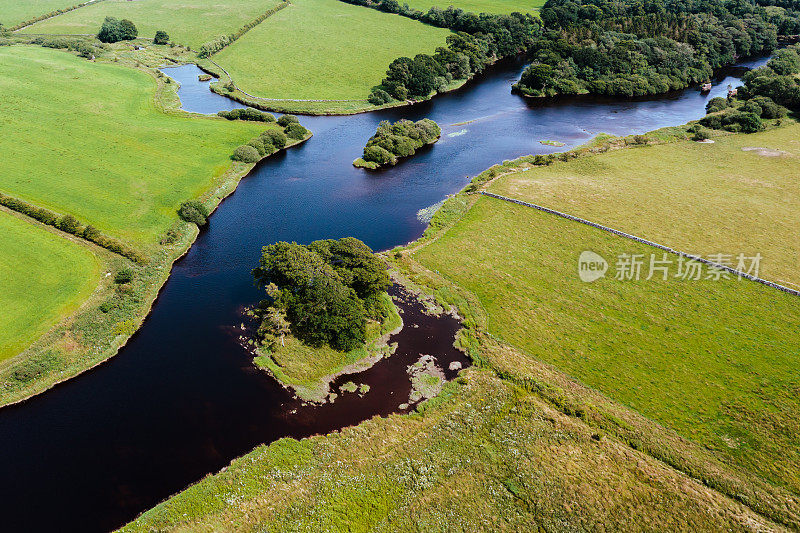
(324, 49)
(13, 12)
(191, 23)
(43, 277)
(481, 6)
(717, 361)
(124, 165)
(704, 199)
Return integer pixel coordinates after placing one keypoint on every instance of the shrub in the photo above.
(258, 144)
(246, 154)
(285, 120)
(69, 224)
(379, 155)
(250, 114)
(769, 109)
(194, 211)
(701, 134)
(90, 233)
(275, 137)
(716, 104)
(296, 131)
(379, 97)
(123, 276)
(161, 37)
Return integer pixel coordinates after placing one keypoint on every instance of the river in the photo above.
(182, 399)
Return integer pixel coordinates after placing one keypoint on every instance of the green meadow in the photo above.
(15, 11)
(123, 165)
(738, 195)
(324, 49)
(44, 277)
(717, 361)
(191, 22)
(481, 6)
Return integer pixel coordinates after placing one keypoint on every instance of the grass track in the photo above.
(715, 360)
(13, 12)
(324, 49)
(697, 198)
(481, 6)
(189, 22)
(43, 277)
(123, 165)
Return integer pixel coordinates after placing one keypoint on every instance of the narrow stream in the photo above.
(182, 399)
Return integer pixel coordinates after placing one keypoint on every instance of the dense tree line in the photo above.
(323, 293)
(401, 139)
(271, 140)
(114, 30)
(632, 48)
(478, 41)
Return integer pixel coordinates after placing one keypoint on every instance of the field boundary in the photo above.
(233, 37)
(693, 257)
(30, 22)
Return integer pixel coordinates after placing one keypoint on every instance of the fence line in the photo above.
(649, 243)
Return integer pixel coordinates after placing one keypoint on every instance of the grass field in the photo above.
(481, 457)
(324, 49)
(699, 198)
(123, 165)
(43, 277)
(15, 11)
(308, 371)
(715, 360)
(481, 6)
(191, 22)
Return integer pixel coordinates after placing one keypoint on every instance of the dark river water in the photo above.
(182, 399)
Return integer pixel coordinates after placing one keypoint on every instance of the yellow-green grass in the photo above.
(43, 277)
(481, 457)
(699, 198)
(324, 49)
(13, 12)
(189, 22)
(481, 6)
(89, 140)
(308, 371)
(717, 361)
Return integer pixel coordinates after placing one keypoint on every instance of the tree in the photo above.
(161, 37)
(114, 30)
(194, 211)
(246, 154)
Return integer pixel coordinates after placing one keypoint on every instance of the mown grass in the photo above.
(481, 6)
(715, 360)
(308, 370)
(699, 198)
(324, 49)
(191, 22)
(89, 140)
(13, 12)
(483, 456)
(43, 277)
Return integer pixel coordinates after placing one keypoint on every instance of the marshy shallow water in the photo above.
(182, 398)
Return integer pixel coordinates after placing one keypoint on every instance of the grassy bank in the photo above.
(189, 23)
(484, 455)
(309, 371)
(144, 185)
(324, 49)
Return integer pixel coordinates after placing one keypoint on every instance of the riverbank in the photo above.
(524, 412)
(103, 324)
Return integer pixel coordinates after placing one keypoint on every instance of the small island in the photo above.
(394, 141)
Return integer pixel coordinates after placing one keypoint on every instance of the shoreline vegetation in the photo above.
(103, 323)
(384, 449)
(393, 142)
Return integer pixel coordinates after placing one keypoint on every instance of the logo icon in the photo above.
(591, 266)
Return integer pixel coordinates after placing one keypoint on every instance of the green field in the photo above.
(43, 277)
(718, 361)
(191, 22)
(481, 6)
(324, 49)
(482, 457)
(13, 12)
(123, 165)
(698, 198)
